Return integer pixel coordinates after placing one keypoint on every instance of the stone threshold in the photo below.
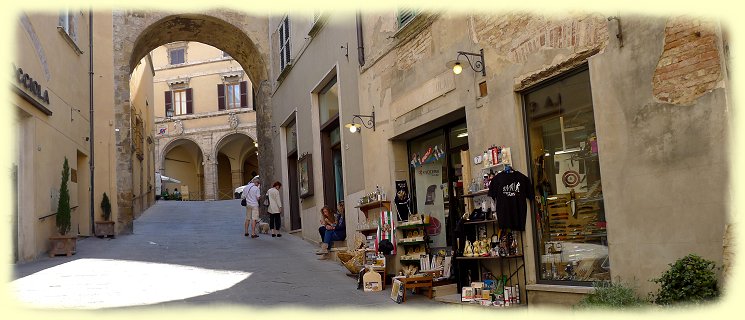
(559, 288)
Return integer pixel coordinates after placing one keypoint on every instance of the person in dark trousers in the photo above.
(275, 208)
(326, 219)
(337, 231)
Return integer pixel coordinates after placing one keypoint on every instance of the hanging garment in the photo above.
(510, 190)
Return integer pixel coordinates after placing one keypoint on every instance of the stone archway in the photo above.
(245, 37)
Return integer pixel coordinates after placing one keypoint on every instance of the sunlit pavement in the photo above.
(193, 253)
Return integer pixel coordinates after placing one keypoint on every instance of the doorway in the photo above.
(437, 179)
(292, 176)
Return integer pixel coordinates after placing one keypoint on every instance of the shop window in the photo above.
(570, 227)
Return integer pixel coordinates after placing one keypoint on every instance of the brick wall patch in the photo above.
(689, 65)
(515, 36)
(414, 50)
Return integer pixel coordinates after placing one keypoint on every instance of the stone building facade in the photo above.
(627, 97)
(208, 142)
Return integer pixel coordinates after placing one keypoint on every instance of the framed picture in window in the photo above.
(305, 175)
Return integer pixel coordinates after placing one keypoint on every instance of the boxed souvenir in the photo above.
(466, 294)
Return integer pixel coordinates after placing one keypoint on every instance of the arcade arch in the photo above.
(183, 160)
(237, 161)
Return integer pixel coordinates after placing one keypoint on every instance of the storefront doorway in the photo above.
(435, 168)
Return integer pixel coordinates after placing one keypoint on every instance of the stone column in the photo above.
(237, 178)
(122, 122)
(210, 179)
(264, 138)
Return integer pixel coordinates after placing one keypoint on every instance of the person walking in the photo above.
(275, 208)
(251, 193)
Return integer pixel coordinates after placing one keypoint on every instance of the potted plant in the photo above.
(63, 243)
(105, 228)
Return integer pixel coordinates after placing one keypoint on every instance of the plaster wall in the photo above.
(315, 61)
(653, 185)
(45, 140)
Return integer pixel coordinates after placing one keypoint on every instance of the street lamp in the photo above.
(356, 127)
(477, 65)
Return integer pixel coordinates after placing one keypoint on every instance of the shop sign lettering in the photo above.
(25, 80)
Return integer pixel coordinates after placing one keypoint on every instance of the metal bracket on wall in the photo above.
(619, 35)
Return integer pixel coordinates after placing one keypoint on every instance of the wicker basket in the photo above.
(351, 260)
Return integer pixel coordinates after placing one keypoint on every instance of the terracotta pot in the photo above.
(105, 229)
(59, 245)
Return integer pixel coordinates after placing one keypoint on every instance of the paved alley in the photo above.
(194, 253)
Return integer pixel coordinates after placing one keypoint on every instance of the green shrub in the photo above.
(105, 207)
(63, 206)
(612, 296)
(691, 279)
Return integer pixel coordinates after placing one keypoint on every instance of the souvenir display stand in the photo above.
(368, 228)
(413, 242)
(490, 267)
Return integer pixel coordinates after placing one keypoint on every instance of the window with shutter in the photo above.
(169, 103)
(189, 103)
(68, 23)
(177, 56)
(405, 16)
(284, 43)
(220, 97)
(179, 102)
(244, 94)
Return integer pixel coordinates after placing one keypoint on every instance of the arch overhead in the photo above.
(243, 36)
(211, 29)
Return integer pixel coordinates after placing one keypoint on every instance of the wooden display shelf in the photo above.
(487, 258)
(414, 242)
(476, 194)
(367, 230)
(412, 226)
(480, 221)
(385, 204)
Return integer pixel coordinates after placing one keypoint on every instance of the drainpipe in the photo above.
(90, 119)
(360, 41)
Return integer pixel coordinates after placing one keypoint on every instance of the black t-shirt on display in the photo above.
(510, 190)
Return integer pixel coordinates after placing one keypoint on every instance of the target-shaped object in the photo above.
(570, 179)
(434, 227)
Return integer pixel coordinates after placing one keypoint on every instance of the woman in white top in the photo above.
(275, 208)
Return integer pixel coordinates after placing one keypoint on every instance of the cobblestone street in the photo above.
(194, 253)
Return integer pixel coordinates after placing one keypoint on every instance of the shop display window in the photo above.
(568, 214)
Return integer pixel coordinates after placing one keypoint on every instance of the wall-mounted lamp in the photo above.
(256, 144)
(477, 64)
(355, 127)
(169, 113)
